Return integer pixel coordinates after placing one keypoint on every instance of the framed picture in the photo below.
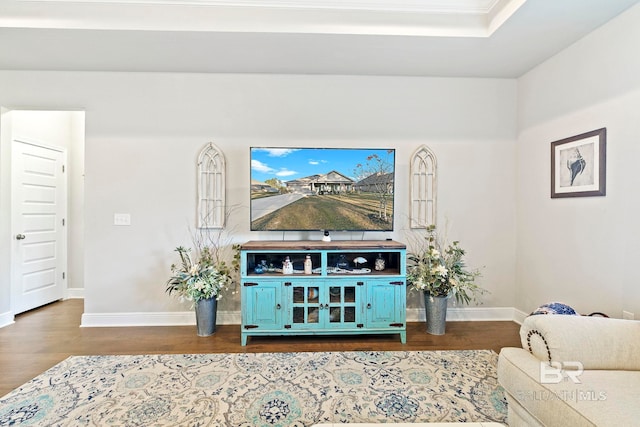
(578, 165)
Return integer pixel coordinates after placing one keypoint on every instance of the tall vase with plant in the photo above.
(203, 280)
(205, 275)
(439, 270)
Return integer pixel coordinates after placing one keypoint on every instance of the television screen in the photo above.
(335, 189)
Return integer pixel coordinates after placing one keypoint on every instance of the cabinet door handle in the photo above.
(369, 305)
(278, 306)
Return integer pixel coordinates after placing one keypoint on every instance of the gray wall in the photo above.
(582, 251)
(144, 131)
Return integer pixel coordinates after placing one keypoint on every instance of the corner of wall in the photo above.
(6, 319)
(5, 220)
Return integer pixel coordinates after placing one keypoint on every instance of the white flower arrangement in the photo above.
(441, 273)
(204, 279)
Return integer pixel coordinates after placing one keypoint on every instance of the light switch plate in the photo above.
(121, 219)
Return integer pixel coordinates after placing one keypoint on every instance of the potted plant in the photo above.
(440, 274)
(203, 281)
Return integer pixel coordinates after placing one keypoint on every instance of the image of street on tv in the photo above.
(336, 189)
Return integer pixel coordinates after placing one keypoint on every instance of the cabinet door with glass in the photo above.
(306, 305)
(343, 307)
(322, 304)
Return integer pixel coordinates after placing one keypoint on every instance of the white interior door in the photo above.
(39, 208)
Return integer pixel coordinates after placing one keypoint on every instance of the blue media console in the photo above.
(351, 287)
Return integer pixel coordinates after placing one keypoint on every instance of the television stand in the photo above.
(352, 288)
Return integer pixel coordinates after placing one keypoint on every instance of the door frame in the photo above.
(76, 209)
(14, 247)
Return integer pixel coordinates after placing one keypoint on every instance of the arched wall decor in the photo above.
(423, 188)
(211, 188)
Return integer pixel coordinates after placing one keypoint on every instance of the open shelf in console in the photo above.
(351, 258)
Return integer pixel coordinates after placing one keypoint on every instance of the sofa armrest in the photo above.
(596, 342)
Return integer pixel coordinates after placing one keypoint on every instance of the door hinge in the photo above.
(63, 222)
(64, 275)
(62, 168)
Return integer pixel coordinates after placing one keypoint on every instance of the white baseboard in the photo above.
(75, 293)
(180, 318)
(6, 319)
(233, 317)
(455, 314)
(519, 316)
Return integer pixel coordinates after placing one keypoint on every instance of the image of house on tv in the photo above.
(336, 183)
(329, 183)
(376, 183)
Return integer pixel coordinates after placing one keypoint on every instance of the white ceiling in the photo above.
(473, 38)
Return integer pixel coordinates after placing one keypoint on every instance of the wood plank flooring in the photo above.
(44, 337)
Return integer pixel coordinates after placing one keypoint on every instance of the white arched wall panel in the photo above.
(423, 188)
(211, 187)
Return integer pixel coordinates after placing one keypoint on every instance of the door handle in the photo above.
(20, 237)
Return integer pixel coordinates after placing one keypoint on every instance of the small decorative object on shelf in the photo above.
(342, 262)
(308, 265)
(287, 266)
(380, 263)
(261, 268)
(326, 237)
(359, 260)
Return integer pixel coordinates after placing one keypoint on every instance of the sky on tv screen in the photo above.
(292, 163)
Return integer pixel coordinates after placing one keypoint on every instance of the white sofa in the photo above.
(573, 371)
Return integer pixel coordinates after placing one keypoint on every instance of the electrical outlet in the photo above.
(121, 219)
(627, 315)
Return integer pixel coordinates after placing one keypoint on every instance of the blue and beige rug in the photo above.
(261, 389)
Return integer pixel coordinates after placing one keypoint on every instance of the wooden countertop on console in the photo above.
(307, 245)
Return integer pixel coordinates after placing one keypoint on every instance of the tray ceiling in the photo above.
(461, 38)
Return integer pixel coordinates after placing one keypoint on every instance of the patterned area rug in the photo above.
(261, 389)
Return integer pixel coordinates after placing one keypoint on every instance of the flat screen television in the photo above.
(333, 189)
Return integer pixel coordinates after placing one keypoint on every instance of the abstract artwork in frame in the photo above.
(578, 165)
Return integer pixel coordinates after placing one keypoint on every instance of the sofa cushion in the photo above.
(595, 342)
(602, 398)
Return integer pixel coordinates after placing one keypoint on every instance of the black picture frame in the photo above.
(578, 165)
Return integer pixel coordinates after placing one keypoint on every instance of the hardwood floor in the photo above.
(44, 337)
